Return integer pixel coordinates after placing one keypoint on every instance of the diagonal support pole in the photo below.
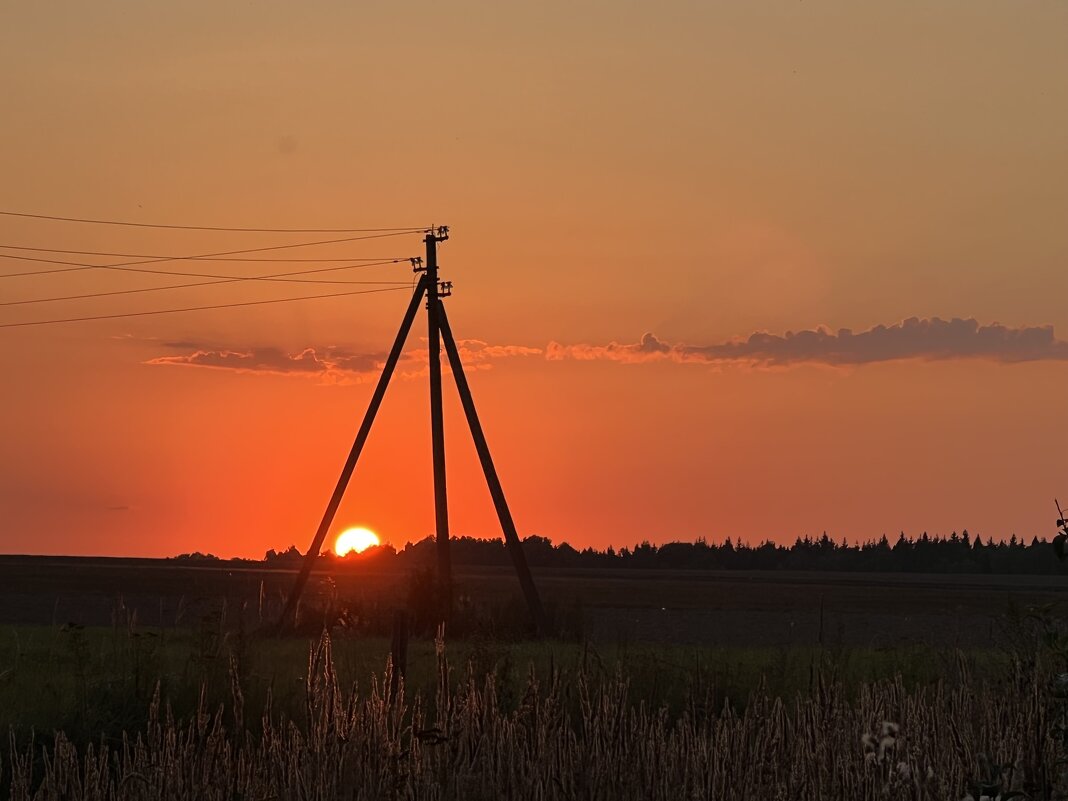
(288, 612)
(511, 537)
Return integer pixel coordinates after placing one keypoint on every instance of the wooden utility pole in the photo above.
(438, 330)
(437, 423)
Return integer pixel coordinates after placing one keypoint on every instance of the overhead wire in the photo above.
(131, 266)
(154, 255)
(79, 266)
(187, 274)
(223, 279)
(200, 308)
(129, 223)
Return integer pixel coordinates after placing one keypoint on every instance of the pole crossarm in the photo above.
(500, 503)
(289, 611)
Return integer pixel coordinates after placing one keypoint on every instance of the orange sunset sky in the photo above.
(634, 190)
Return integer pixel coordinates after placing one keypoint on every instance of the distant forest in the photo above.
(957, 553)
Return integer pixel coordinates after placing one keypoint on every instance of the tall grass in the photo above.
(574, 735)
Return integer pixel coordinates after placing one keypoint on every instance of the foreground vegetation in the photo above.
(198, 707)
(100, 681)
(205, 714)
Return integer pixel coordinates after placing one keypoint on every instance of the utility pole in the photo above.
(437, 423)
(438, 330)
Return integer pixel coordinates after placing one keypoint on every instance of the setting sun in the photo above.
(355, 539)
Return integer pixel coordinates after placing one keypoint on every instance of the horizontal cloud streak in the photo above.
(475, 350)
(331, 363)
(253, 360)
(925, 339)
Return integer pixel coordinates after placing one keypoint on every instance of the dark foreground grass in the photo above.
(90, 682)
(287, 719)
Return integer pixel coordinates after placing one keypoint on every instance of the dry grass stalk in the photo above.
(581, 739)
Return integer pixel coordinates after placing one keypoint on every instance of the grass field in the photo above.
(127, 713)
(715, 608)
(128, 680)
(92, 680)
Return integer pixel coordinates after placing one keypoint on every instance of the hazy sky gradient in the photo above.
(701, 171)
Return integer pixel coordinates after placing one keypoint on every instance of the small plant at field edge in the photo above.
(1060, 542)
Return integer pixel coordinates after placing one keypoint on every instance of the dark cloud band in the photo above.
(915, 338)
(325, 361)
(927, 339)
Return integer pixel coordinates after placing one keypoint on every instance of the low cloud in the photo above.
(251, 360)
(331, 363)
(927, 339)
(475, 350)
(647, 349)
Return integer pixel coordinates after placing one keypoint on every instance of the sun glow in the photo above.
(355, 540)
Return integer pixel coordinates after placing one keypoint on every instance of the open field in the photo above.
(126, 714)
(727, 608)
(708, 684)
(88, 679)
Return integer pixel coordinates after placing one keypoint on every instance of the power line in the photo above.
(201, 308)
(224, 279)
(150, 255)
(81, 266)
(199, 283)
(353, 267)
(77, 266)
(55, 218)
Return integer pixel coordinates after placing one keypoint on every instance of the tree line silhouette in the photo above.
(957, 553)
